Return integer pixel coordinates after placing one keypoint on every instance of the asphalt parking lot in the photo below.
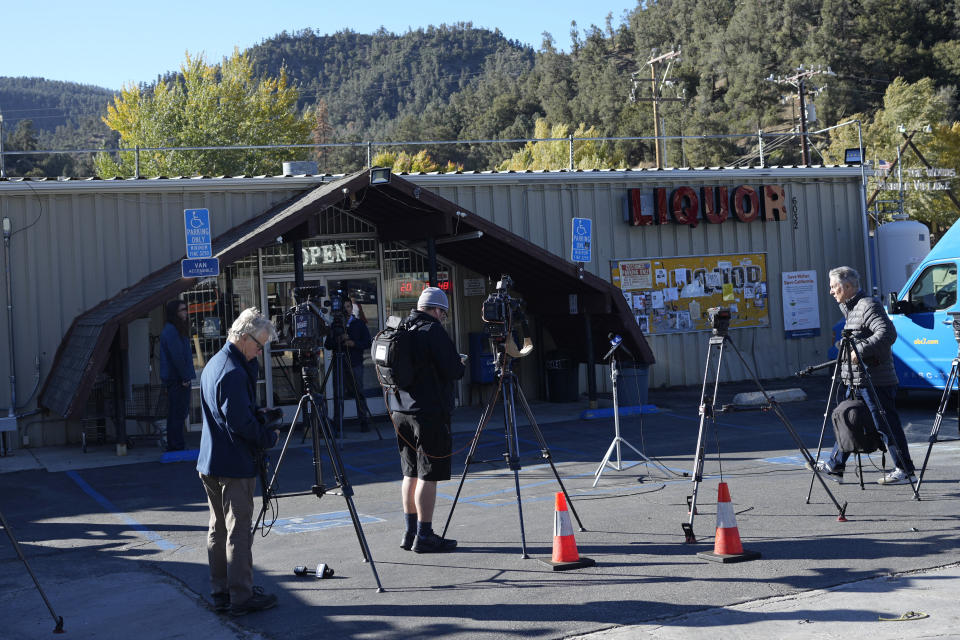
(120, 547)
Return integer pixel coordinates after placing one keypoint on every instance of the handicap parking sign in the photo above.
(581, 233)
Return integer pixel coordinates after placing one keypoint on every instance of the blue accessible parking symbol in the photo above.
(581, 233)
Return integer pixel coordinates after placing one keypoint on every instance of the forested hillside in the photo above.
(456, 82)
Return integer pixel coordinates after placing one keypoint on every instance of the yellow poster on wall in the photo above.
(672, 295)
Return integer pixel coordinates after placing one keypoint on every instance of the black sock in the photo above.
(424, 529)
(411, 522)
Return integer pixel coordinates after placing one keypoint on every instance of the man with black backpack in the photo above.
(875, 335)
(421, 411)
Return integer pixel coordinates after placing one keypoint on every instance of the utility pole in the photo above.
(656, 97)
(3, 171)
(799, 80)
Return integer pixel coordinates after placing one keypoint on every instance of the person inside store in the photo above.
(874, 338)
(421, 416)
(233, 439)
(176, 370)
(355, 340)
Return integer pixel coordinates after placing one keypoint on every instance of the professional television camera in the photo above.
(719, 320)
(305, 319)
(500, 311)
(503, 316)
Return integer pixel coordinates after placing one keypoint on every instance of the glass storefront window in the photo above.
(405, 275)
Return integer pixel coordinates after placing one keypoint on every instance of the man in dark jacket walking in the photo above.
(233, 437)
(421, 416)
(176, 370)
(874, 337)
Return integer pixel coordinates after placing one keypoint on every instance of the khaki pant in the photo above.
(229, 537)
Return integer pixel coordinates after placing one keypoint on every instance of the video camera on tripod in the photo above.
(501, 314)
(305, 320)
(955, 317)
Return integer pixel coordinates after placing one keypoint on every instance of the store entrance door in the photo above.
(283, 368)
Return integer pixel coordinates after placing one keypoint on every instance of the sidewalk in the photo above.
(846, 612)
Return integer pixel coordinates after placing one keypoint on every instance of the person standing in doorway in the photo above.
(355, 340)
(176, 371)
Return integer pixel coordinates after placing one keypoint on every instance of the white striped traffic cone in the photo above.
(565, 555)
(727, 546)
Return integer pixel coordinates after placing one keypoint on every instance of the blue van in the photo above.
(926, 344)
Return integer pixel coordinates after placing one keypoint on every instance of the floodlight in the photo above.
(380, 175)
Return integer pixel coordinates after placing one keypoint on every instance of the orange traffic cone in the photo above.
(565, 554)
(727, 546)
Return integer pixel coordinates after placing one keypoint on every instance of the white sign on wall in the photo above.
(801, 304)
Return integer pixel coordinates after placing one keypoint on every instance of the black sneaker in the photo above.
(221, 602)
(408, 538)
(433, 543)
(824, 467)
(259, 601)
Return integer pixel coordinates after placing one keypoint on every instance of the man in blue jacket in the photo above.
(421, 416)
(355, 341)
(176, 370)
(233, 437)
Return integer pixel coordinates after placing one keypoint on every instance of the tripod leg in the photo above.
(834, 385)
(484, 419)
(545, 452)
(267, 490)
(793, 433)
(340, 477)
(512, 454)
(941, 411)
(57, 620)
(363, 411)
(706, 413)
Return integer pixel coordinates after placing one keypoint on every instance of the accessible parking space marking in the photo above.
(319, 522)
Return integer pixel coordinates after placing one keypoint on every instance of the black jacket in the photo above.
(874, 338)
(438, 367)
(357, 331)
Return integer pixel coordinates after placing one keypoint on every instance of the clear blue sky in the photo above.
(109, 43)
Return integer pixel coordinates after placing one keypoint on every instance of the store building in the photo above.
(92, 263)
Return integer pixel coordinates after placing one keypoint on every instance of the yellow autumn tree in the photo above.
(206, 106)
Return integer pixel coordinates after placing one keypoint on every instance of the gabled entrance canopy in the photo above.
(401, 211)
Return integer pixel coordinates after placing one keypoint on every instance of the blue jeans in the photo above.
(178, 406)
(893, 435)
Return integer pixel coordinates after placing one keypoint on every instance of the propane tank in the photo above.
(902, 245)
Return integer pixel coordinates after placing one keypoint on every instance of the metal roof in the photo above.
(401, 211)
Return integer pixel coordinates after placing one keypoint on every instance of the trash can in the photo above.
(481, 360)
(563, 377)
(632, 384)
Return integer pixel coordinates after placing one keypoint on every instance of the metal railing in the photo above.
(758, 150)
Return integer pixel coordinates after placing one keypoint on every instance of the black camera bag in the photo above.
(854, 429)
(394, 354)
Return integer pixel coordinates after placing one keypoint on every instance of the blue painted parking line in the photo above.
(152, 536)
(319, 522)
(796, 461)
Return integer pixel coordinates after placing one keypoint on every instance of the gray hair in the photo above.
(250, 322)
(845, 275)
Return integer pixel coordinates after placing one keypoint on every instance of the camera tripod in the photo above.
(617, 440)
(848, 348)
(315, 416)
(716, 344)
(335, 371)
(510, 390)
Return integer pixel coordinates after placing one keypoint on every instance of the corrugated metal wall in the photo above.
(75, 244)
(78, 243)
(823, 230)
